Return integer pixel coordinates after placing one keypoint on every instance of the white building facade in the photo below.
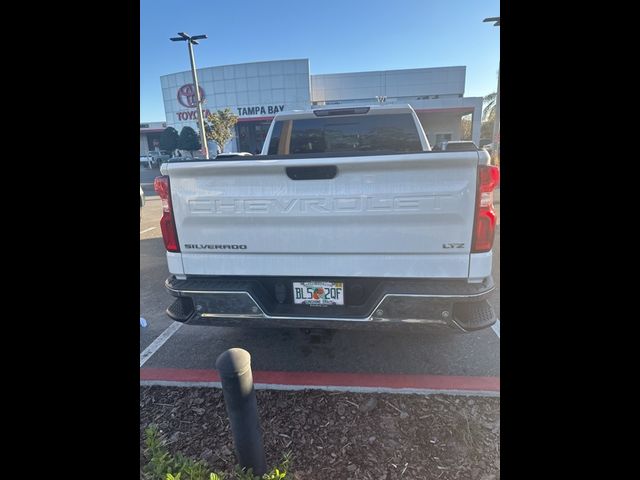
(255, 92)
(150, 136)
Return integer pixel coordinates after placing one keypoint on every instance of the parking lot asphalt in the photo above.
(147, 175)
(197, 347)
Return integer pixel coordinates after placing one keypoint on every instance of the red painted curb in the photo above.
(338, 379)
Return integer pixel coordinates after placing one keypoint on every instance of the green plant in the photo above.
(489, 107)
(188, 141)
(466, 127)
(279, 473)
(219, 127)
(164, 466)
(243, 474)
(169, 139)
(193, 469)
(160, 461)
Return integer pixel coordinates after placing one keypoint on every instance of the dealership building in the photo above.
(255, 92)
(150, 136)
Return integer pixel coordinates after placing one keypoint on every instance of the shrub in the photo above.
(162, 465)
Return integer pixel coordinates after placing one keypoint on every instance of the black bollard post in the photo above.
(234, 366)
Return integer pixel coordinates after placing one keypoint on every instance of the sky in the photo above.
(336, 36)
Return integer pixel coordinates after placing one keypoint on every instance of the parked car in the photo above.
(146, 161)
(159, 157)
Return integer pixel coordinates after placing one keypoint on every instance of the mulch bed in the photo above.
(338, 435)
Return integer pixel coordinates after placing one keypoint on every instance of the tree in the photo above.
(169, 139)
(219, 127)
(489, 108)
(465, 128)
(486, 131)
(189, 140)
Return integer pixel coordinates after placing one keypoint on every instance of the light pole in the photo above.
(496, 121)
(193, 40)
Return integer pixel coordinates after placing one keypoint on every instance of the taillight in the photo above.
(485, 222)
(167, 222)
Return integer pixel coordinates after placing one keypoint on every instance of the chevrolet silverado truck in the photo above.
(347, 219)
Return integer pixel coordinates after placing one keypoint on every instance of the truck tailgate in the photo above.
(404, 215)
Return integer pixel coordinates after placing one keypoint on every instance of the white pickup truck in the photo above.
(346, 219)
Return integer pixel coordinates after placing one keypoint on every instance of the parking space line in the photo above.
(332, 381)
(147, 230)
(496, 327)
(158, 342)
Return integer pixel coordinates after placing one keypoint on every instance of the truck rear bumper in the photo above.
(406, 304)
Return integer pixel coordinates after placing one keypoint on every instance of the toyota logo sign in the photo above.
(187, 95)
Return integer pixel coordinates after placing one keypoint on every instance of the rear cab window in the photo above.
(389, 132)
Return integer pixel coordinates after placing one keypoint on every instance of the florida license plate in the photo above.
(318, 293)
